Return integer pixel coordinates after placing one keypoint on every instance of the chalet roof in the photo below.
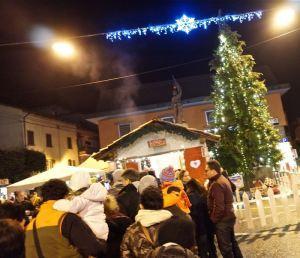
(155, 125)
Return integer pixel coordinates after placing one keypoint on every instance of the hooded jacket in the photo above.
(135, 243)
(89, 206)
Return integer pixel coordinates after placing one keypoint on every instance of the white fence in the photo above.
(257, 210)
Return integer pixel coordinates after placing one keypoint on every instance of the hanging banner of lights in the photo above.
(185, 24)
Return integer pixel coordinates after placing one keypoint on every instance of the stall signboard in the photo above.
(4, 181)
(238, 180)
(157, 143)
(195, 163)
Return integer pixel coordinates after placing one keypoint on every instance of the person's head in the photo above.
(147, 181)
(54, 189)
(111, 205)
(80, 180)
(152, 199)
(117, 174)
(12, 239)
(20, 196)
(167, 174)
(129, 176)
(184, 176)
(12, 211)
(151, 173)
(175, 230)
(142, 174)
(194, 186)
(213, 168)
(173, 190)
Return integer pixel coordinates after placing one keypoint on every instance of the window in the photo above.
(169, 119)
(209, 116)
(49, 140)
(50, 163)
(69, 142)
(30, 138)
(124, 129)
(69, 162)
(74, 163)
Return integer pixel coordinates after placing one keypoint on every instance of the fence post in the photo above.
(296, 193)
(248, 211)
(260, 208)
(273, 205)
(285, 204)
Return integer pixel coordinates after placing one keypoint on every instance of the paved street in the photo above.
(276, 243)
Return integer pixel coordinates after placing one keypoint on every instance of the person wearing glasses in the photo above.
(220, 208)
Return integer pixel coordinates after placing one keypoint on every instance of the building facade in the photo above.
(197, 113)
(62, 142)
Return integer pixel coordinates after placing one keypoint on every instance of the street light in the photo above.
(284, 17)
(64, 49)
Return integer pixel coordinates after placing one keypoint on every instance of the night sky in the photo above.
(31, 76)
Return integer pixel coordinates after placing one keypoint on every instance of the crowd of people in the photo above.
(140, 215)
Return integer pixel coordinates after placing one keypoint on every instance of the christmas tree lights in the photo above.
(185, 24)
(241, 114)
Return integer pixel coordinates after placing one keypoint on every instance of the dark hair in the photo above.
(142, 174)
(194, 185)
(12, 211)
(12, 239)
(152, 198)
(214, 164)
(54, 189)
(173, 189)
(131, 175)
(181, 174)
(175, 230)
(152, 173)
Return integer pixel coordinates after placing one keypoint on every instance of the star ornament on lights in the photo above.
(186, 24)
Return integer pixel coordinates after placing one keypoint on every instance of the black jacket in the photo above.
(199, 213)
(117, 225)
(129, 200)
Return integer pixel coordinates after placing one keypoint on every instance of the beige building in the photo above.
(60, 141)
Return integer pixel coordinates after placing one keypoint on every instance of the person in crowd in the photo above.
(117, 182)
(79, 183)
(142, 174)
(89, 206)
(129, 198)
(147, 181)
(152, 173)
(59, 234)
(117, 223)
(171, 196)
(173, 240)
(199, 212)
(12, 239)
(220, 200)
(13, 211)
(139, 238)
(22, 199)
(184, 176)
(225, 174)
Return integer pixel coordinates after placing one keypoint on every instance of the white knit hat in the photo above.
(147, 181)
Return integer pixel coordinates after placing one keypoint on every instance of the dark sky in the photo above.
(31, 76)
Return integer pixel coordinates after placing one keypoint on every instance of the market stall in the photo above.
(158, 144)
(58, 172)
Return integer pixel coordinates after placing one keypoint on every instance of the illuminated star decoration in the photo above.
(185, 24)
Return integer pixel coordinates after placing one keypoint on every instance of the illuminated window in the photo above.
(209, 116)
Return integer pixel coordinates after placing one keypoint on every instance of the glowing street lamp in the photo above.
(284, 17)
(63, 49)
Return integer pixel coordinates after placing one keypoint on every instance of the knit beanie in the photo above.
(117, 175)
(147, 181)
(167, 174)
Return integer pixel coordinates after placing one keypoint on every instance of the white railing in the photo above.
(277, 206)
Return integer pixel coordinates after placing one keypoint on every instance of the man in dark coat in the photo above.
(220, 200)
(129, 197)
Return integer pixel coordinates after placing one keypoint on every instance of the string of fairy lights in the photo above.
(184, 24)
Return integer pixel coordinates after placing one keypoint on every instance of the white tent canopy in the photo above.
(58, 172)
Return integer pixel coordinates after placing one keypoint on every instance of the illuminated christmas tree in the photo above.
(241, 115)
